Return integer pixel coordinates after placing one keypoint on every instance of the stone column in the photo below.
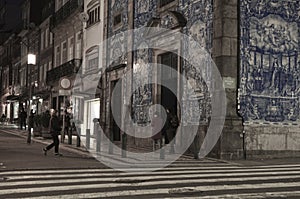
(226, 56)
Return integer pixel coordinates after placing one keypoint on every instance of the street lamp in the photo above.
(31, 60)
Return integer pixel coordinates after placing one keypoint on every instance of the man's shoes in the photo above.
(45, 151)
(58, 154)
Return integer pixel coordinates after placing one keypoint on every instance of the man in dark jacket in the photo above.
(23, 117)
(54, 131)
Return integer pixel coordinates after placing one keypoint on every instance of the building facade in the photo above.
(253, 43)
(67, 30)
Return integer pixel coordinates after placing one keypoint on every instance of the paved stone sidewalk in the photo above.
(83, 151)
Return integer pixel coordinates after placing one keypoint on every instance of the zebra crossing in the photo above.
(185, 178)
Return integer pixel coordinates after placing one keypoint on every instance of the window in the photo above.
(94, 15)
(51, 38)
(71, 48)
(64, 52)
(117, 19)
(42, 40)
(41, 73)
(171, 60)
(50, 65)
(45, 71)
(162, 3)
(46, 37)
(78, 45)
(92, 58)
(57, 56)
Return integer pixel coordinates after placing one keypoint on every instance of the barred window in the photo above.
(94, 15)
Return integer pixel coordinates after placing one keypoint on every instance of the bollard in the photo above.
(78, 137)
(162, 150)
(98, 139)
(110, 146)
(172, 149)
(124, 145)
(70, 130)
(196, 146)
(88, 138)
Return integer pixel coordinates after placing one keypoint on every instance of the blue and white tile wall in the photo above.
(269, 88)
(198, 14)
(117, 45)
(142, 97)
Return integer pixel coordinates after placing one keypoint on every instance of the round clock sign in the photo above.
(65, 83)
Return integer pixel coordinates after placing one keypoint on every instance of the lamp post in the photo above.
(31, 60)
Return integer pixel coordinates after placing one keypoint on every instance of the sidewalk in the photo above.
(71, 148)
(84, 152)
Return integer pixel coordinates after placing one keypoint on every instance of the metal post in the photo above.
(110, 147)
(124, 145)
(70, 130)
(98, 138)
(88, 137)
(78, 137)
(162, 150)
(64, 115)
(172, 149)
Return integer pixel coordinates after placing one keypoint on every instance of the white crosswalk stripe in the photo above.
(183, 179)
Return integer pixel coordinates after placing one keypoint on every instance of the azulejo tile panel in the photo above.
(198, 14)
(269, 88)
(117, 45)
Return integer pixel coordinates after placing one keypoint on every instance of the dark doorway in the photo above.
(169, 78)
(116, 103)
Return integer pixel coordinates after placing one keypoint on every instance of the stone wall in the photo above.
(265, 141)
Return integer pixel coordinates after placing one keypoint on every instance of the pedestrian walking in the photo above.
(55, 129)
(157, 124)
(30, 125)
(23, 117)
(3, 118)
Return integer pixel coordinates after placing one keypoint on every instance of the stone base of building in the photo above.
(259, 154)
(272, 141)
(230, 144)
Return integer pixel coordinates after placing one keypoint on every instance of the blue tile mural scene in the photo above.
(269, 88)
(194, 18)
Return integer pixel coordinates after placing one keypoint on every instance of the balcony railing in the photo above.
(65, 11)
(66, 69)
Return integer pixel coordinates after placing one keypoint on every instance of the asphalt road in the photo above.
(26, 173)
